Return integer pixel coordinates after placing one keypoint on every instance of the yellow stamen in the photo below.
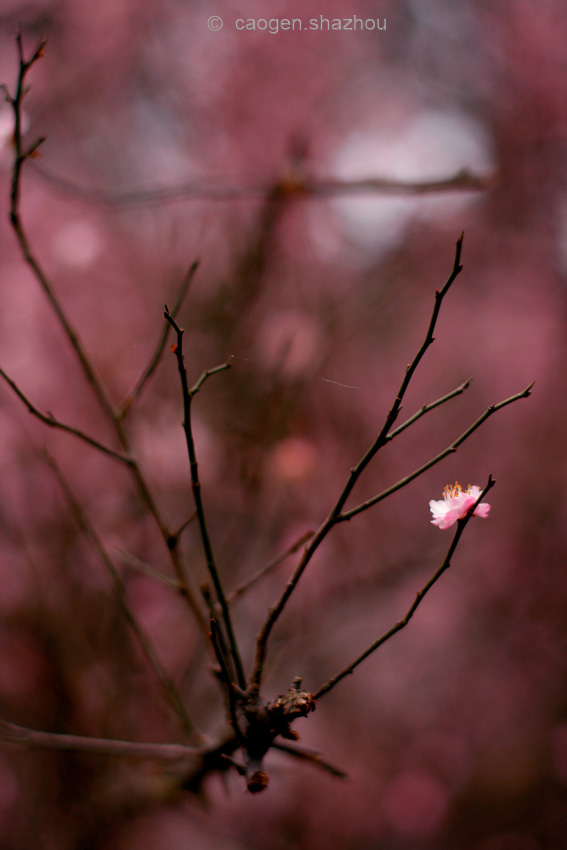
(452, 490)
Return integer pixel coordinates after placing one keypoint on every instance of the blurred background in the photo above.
(170, 142)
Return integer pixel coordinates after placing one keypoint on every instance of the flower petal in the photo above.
(455, 505)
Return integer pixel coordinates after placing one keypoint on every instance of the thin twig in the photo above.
(227, 673)
(179, 531)
(156, 357)
(347, 515)
(143, 567)
(207, 374)
(196, 487)
(355, 473)
(426, 408)
(223, 659)
(220, 652)
(271, 565)
(52, 422)
(311, 756)
(146, 643)
(461, 525)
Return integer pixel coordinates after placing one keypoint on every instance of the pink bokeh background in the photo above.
(165, 140)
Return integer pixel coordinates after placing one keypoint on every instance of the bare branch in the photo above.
(52, 422)
(196, 487)
(156, 357)
(461, 525)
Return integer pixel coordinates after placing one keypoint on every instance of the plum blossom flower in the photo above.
(455, 504)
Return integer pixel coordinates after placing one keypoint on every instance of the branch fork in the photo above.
(258, 723)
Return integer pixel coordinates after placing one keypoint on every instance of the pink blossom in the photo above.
(455, 504)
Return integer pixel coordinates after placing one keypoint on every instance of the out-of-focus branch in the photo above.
(156, 357)
(21, 736)
(463, 180)
(146, 643)
(461, 525)
(196, 762)
(196, 487)
(21, 155)
(271, 565)
(52, 422)
(355, 473)
(179, 531)
(299, 186)
(141, 566)
(347, 515)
